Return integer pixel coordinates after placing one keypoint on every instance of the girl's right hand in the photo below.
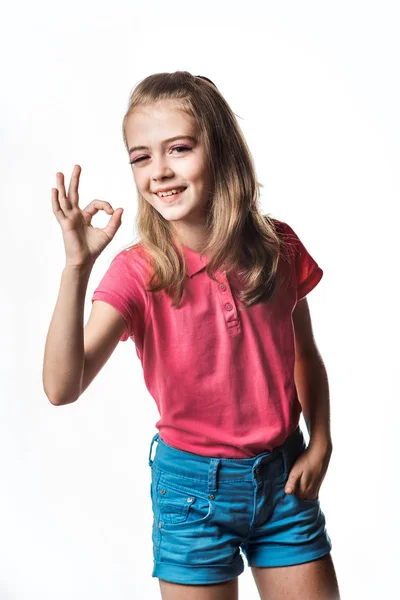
(83, 243)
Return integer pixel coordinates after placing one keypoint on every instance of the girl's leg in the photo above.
(315, 580)
(228, 590)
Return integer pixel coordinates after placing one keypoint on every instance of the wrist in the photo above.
(321, 442)
(79, 269)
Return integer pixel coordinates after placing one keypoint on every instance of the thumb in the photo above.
(119, 217)
(291, 483)
(114, 223)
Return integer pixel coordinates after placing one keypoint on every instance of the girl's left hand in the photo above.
(308, 471)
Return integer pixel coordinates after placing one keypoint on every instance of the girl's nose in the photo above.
(161, 169)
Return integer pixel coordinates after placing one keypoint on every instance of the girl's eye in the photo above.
(132, 162)
(181, 147)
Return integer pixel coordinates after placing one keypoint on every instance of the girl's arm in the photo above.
(74, 354)
(64, 351)
(311, 379)
(64, 355)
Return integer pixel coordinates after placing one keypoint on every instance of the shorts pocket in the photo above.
(301, 501)
(314, 501)
(181, 506)
(290, 462)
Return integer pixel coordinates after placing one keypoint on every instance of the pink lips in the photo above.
(170, 199)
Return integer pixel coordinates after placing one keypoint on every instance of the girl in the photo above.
(214, 298)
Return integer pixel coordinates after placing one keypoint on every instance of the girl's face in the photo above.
(160, 163)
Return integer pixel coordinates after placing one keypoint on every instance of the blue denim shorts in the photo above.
(207, 510)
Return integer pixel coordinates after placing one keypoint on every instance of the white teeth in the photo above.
(170, 193)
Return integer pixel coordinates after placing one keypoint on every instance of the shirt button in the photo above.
(228, 306)
(257, 470)
(223, 287)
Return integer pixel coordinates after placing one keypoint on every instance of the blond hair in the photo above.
(238, 236)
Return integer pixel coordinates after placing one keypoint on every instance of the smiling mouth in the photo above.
(175, 191)
(170, 197)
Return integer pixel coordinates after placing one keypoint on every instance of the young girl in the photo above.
(214, 298)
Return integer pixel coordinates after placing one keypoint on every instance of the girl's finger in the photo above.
(63, 199)
(73, 194)
(114, 223)
(57, 210)
(93, 207)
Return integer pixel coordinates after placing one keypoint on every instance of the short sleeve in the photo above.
(122, 287)
(308, 272)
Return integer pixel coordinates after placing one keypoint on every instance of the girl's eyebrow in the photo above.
(176, 137)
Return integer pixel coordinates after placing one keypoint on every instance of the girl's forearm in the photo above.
(64, 354)
(312, 386)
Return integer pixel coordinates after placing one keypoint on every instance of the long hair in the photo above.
(238, 236)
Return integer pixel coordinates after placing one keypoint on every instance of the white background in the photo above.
(316, 86)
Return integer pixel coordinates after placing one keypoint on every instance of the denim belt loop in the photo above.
(212, 475)
(155, 438)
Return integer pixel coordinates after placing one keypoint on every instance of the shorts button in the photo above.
(211, 496)
(162, 491)
(190, 499)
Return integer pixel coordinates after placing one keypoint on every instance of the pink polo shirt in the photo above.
(222, 379)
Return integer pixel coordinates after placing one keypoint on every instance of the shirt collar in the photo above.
(195, 262)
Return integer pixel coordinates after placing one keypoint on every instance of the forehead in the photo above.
(149, 123)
